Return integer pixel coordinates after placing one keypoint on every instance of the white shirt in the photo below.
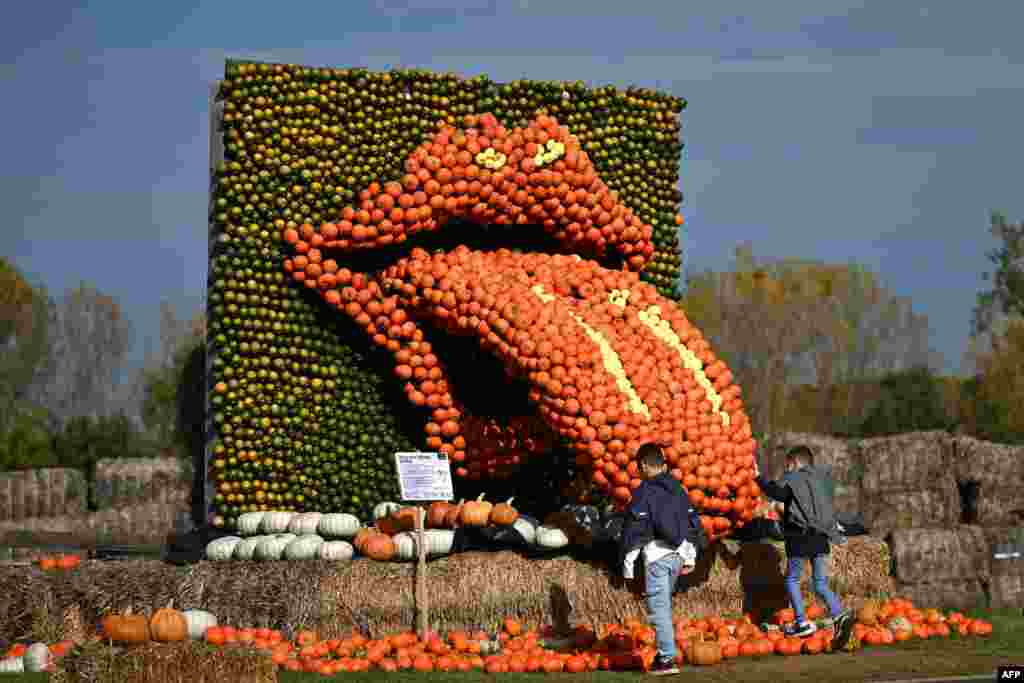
(655, 550)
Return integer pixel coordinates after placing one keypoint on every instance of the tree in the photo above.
(1006, 298)
(163, 375)
(23, 336)
(88, 341)
(796, 323)
(912, 400)
(998, 390)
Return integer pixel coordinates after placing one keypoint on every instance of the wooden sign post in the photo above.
(423, 477)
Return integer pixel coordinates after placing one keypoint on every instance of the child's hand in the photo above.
(686, 569)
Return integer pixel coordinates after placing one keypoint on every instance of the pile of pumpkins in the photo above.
(630, 645)
(277, 535)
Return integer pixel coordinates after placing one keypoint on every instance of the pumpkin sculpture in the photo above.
(168, 626)
(503, 514)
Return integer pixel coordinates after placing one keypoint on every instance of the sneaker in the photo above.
(801, 630)
(663, 666)
(844, 629)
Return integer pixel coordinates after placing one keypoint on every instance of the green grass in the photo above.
(913, 659)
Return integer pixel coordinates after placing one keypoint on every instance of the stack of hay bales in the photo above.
(998, 471)
(948, 567)
(908, 482)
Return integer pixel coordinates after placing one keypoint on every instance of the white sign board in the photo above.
(424, 476)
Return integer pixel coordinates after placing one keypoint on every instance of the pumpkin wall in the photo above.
(305, 412)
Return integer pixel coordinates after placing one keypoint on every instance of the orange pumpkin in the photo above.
(126, 628)
(380, 547)
(503, 514)
(476, 512)
(168, 626)
(437, 513)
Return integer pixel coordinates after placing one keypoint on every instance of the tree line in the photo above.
(816, 347)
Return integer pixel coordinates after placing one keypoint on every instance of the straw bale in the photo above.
(940, 554)
(44, 492)
(1001, 505)
(141, 524)
(889, 509)
(1007, 590)
(912, 461)
(186, 662)
(992, 465)
(125, 482)
(960, 595)
(840, 454)
(471, 590)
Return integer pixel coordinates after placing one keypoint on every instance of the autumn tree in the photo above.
(1006, 297)
(995, 409)
(23, 335)
(88, 341)
(806, 328)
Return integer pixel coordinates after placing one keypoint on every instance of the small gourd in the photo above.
(245, 549)
(249, 523)
(551, 537)
(304, 523)
(36, 657)
(336, 551)
(438, 541)
(476, 512)
(503, 514)
(405, 545)
(221, 549)
(168, 626)
(385, 508)
(198, 621)
(271, 548)
(303, 547)
(12, 665)
(526, 529)
(276, 522)
(338, 525)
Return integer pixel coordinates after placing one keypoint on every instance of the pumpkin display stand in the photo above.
(470, 590)
(180, 662)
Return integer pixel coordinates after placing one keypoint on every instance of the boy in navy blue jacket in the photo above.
(658, 525)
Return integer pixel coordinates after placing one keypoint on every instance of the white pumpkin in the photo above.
(551, 537)
(36, 657)
(338, 525)
(384, 509)
(405, 545)
(11, 665)
(526, 529)
(271, 548)
(304, 523)
(438, 541)
(221, 549)
(335, 551)
(198, 622)
(245, 549)
(249, 523)
(276, 522)
(303, 547)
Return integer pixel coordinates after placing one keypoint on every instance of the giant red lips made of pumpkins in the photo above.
(610, 363)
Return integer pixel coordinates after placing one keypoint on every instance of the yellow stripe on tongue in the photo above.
(663, 330)
(609, 358)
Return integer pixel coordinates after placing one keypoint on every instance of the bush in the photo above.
(26, 442)
(911, 400)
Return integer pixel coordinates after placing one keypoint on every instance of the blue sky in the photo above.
(879, 132)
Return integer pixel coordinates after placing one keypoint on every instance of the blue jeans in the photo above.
(819, 569)
(660, 581)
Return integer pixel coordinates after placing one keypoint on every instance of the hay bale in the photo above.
(940, 554)
(139, 524)
(187, 662)
(992, 465)
(47, 492)
(840, 454)
(1006, 591)
(272, 594)
(959, 595)
(913, 461)
(889, 509)
(125, 482)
